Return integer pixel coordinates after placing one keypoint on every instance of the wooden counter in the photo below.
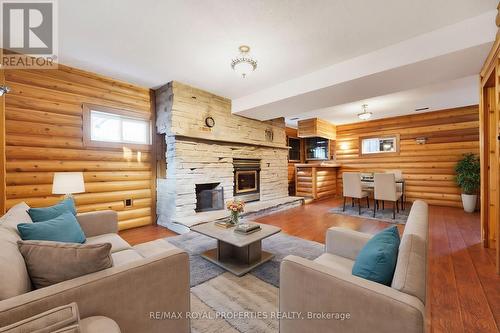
(316, 180)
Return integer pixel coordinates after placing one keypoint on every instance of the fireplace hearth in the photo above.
(246, 179)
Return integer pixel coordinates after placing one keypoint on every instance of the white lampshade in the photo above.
(68, 183)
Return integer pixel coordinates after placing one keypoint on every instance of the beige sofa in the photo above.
(145, 280)
(325, 286)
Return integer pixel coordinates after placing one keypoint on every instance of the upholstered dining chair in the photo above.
(399, 186)
(351, 182)
(385, 190)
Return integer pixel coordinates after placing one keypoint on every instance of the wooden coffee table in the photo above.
(235, 252)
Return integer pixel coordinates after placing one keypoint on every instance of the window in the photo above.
(317, 148)
(294, 151)
(115, 128)
(379, 145)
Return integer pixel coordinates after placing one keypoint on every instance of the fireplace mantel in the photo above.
(269, 145)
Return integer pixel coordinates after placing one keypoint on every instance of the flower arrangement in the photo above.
(235, 207)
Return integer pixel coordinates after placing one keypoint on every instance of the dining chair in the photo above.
(386, 190)
(399, 186)
(352, 188)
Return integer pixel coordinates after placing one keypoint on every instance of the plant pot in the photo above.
(469, 202)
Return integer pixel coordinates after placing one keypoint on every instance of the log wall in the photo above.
(429, 168)
(44, 135)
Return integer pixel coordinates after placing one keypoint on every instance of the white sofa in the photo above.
(146, 278)
(326, 286)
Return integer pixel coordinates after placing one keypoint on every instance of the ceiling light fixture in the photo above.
(4, 90)
(365, 115)
(244, 64)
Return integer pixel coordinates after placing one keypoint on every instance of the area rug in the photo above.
(280, 245)
(222, 302)
(384, 215)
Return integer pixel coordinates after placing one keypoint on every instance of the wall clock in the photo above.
(210, 122)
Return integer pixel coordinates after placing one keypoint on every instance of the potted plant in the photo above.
(468, 178)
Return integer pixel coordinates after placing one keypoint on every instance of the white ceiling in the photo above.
(151, 42)
(444, 95)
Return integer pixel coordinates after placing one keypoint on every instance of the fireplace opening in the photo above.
(246, 179)
(209, 197)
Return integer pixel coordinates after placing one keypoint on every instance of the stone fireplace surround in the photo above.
(196, 154)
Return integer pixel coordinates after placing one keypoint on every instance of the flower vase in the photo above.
(235, 218)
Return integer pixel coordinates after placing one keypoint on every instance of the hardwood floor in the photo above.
(463, 290)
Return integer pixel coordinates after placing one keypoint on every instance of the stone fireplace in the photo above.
(236, 158)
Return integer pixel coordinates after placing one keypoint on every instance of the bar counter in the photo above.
(316, 180)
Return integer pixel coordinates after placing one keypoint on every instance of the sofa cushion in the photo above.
(48, 213)
(16, 215)
(410, 274)
(117, 243)
(13, 274)
(64, 228)
(124, 257)
(47, 322)
(98, 324)
(153, 248)
(377, 259)
(49, 263)
(14, 278)
(336, 262)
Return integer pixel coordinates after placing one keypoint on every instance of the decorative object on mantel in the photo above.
(469, 179)
(210, 122)
(235, 207)
(244, 64)
(269, 135)
(365, 115)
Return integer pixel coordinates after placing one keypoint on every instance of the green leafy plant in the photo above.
(468, 172)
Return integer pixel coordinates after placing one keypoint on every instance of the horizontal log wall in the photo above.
(44, 135)
(429, 168)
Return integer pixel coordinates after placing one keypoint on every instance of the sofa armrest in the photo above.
(98, 223)
(307, 287)
(132, 295)
(345, 242)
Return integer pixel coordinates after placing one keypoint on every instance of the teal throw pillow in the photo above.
(64, 228)
(377, 259)
(48, 213)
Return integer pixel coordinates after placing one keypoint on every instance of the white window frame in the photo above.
(89, 109)
(394, 137)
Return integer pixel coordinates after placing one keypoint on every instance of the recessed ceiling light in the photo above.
(421, 109)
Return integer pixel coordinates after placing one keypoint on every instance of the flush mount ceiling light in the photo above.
(4, 90)
(244, 64)
(365, 115)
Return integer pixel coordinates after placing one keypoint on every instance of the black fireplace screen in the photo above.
(209, 197)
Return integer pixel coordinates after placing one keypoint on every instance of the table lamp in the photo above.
(68, 183)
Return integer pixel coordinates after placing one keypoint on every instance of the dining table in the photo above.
(368, 183)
